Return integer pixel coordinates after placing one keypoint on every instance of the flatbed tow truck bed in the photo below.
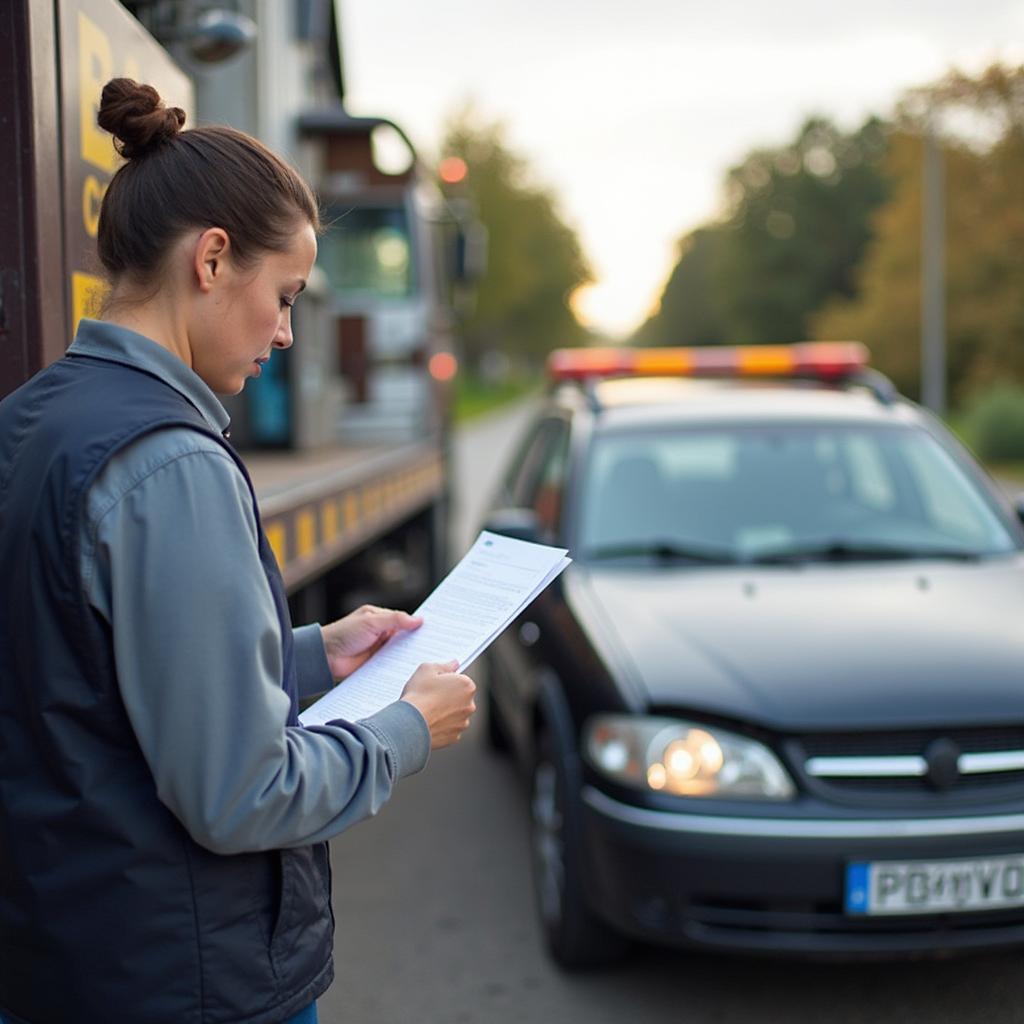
(319, 507)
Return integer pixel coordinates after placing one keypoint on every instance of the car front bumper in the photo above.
(774, 885)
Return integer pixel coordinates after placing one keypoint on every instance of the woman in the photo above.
(163, 816)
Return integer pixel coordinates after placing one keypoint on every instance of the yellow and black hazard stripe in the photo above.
(309, 533)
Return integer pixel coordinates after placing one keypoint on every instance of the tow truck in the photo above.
(346, 436)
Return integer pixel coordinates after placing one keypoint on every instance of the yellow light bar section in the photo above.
(831, 360)
(662, 362)
(770, 361)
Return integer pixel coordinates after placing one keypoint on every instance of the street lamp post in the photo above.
(933, 275)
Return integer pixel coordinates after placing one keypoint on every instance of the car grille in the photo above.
(973, 761)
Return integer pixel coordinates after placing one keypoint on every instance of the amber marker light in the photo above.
(443, 366)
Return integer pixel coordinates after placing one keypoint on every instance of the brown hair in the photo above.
(175, 180)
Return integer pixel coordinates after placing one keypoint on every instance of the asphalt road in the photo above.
(435, 922)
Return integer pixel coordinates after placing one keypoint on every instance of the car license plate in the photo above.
(935, 887)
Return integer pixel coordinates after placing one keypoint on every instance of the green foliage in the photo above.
(535, 261)
(984, 229)
(993, 424)
(691, 311)
(796, 226)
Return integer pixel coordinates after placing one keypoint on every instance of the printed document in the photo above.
(492, 584)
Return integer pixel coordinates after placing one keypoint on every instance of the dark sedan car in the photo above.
(777, 702)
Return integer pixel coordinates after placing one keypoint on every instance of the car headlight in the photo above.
(684, 758)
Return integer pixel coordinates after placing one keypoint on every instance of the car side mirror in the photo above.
(517, 523)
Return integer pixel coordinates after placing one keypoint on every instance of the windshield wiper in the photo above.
(664, 551)
(855, 551)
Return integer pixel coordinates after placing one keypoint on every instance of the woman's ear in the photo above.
(209, 259)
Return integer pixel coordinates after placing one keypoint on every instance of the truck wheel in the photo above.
(575, 937)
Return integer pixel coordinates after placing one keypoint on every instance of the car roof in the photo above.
(645, 401)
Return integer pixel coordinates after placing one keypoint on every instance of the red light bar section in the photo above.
(580, 363)
(827, 360)
(832, 359)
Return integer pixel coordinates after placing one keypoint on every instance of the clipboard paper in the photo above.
(496, 579)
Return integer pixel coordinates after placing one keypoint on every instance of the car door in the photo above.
(535, 484)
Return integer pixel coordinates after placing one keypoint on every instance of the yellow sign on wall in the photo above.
(87, 294)
(100, 40)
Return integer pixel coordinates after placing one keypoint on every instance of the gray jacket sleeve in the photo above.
(171, 560)
(311, 660)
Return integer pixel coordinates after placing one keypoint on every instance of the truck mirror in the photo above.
(1018, 506)
(470, 252)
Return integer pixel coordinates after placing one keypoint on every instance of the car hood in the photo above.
(819, 646)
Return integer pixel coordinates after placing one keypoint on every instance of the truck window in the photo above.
(367, 251)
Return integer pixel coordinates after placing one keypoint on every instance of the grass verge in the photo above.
(475, 397)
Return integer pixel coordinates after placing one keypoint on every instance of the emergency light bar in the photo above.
(825, 360)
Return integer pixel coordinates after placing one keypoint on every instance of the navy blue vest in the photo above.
(108, 909)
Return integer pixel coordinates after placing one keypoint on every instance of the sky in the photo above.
(632, 112)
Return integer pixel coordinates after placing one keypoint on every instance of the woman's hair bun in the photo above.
(137, 118)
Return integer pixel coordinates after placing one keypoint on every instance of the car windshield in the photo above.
(780, 494)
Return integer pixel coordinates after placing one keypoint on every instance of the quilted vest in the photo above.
(109, 911)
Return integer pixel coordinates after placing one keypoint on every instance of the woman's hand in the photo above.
(444, 698)
(351, 640)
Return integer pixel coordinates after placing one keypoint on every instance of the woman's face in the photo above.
(249, 315)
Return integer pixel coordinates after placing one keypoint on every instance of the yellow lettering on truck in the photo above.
(95, 69)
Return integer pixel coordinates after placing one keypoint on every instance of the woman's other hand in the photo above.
(445, 699)
(351, 640)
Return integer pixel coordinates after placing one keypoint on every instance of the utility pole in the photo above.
(933, 274)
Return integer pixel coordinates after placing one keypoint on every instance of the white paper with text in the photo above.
(494, 582)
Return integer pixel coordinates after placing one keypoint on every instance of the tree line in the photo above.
(819, 238)
(822, 239)
(534, 258)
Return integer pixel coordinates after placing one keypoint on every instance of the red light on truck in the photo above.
(831, 360)
(452, 169)
(443, 366)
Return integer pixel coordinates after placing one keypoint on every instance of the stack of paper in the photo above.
(492, 584)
